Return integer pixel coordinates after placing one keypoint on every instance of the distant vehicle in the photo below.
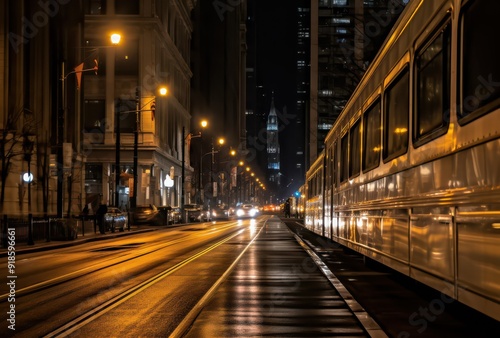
(196, 213)
(175, 215)
(114, 219)
(205, 215)
(221, 212)
(246, 210)
(193, 212)
(146, 214)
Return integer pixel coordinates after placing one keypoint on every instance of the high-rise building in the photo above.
(273, 148)
(218, 96)
(303, 86)
(345, 37)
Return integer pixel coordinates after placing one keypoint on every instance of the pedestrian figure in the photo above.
(85, 212)
(101, 211)
(287, 208)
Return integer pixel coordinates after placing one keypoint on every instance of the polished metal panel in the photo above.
(394, 234)
(479, 249)
(431, 243)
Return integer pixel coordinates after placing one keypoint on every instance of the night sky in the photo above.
(276, 38)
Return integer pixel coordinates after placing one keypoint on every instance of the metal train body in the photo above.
(410, 172)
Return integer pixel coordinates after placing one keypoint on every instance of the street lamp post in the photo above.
(183, 168)
(183, 164)
(28, 150)
(221, 141)
(212, 152)
(133, 198)
(183, 218)
(61, 115)
(117, 154)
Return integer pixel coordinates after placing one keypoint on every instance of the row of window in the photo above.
(98, 7)
(179, 34)
(94, 117)
(332, 3)
(126, 57)
(368, 140)
(315, 184)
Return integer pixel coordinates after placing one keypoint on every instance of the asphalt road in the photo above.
(140, 285)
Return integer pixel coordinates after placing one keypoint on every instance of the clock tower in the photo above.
(273, 147)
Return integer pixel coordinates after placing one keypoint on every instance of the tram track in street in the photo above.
(102, 265)
(91, 315)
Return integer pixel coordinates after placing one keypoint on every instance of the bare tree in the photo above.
(43, 161)
(11, 144)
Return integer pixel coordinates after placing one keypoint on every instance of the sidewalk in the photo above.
(277, 289)
(84, 235)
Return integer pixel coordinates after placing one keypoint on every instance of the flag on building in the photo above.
(90, 63)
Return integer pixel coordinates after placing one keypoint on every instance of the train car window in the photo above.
(334, 164)
(480, 66)
(344, 158)
(396, 116)
(371, 137)
(313, 185)
(319, 183)
(328, 168)
(433, 87)
(355, 149)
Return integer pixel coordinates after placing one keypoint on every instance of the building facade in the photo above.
(154, 52)
(91, 109)
(345, 37)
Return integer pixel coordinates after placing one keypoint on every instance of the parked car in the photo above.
(193, 212)
(247, 210)
(196, 213)
(146, 214)
(114, 219)
(173, 214)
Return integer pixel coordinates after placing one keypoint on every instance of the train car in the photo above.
(302, 201)
(412, 165)
(314, 190)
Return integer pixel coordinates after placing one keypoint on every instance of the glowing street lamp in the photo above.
(162, 91)
(185, 137)
(115, 38)
(136, 137)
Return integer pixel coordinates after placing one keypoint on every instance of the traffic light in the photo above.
(153, 110)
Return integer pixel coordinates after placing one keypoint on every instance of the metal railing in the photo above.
(31, 229)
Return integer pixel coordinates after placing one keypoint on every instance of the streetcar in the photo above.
(410, 171)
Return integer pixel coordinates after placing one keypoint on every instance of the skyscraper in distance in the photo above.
(273, 148)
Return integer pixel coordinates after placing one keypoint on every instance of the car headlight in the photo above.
(240, 212)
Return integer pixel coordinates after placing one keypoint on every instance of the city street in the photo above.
(141, 285)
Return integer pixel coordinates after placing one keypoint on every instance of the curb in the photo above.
(46, 247)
